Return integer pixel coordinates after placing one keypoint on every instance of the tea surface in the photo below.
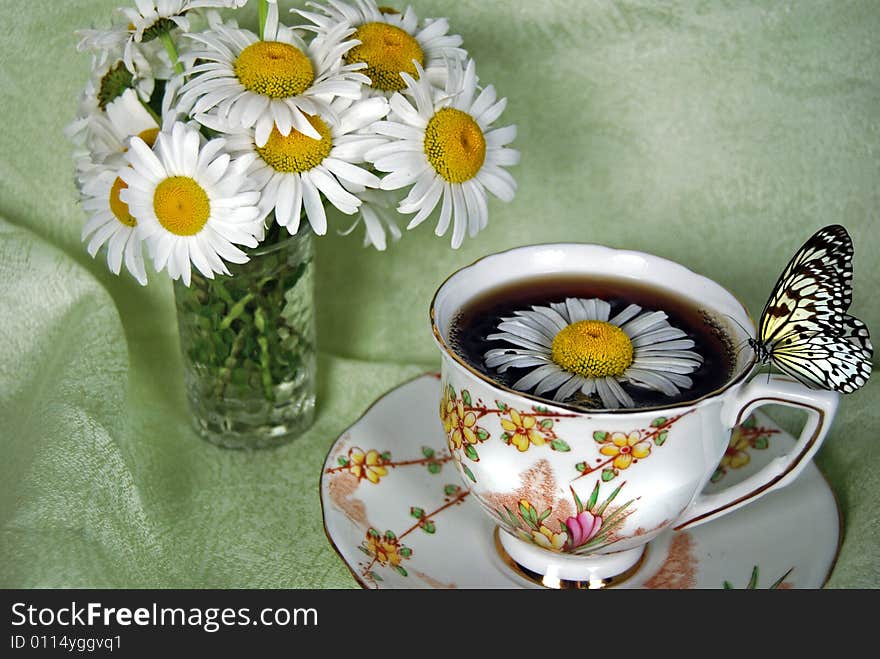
(480, 317)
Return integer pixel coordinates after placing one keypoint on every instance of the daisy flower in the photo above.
(293, 171)
(104, 134)
(153, 18)
(110, 221)
(378, 214)
(574, 346)
(193, 203)
(272, 84)
(449, 150)
(390, 42)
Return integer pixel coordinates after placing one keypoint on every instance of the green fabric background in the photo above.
(718, 134)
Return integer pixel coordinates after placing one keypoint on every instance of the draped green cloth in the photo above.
(717, 134)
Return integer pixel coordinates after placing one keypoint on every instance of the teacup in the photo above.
(565, 508)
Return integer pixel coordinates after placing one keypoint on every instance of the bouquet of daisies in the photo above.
(197, 138)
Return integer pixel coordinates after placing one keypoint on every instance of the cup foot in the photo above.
(565, 571)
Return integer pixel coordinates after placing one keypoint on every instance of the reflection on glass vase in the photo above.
(248, 345)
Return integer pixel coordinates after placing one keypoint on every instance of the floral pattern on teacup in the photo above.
(744, 438)
(521, 429)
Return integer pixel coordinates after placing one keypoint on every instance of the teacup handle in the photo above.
(777, 390)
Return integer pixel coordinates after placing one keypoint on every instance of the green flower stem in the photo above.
(263, 10)
(225, 373)
(152, 112)
(171, 49)
(235, 311)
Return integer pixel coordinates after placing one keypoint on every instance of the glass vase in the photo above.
(248, 345)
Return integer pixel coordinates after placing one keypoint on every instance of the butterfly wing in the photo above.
(824, 359)
(812, 297)
(832, 247)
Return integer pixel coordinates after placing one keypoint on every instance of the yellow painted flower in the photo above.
(623, 448)
(447, 406)
(386, 551)
(523, 430)
(736, 455)
(366, 465)
(547, 539)
(462, 426)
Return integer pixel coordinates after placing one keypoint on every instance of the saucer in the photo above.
(398, 515)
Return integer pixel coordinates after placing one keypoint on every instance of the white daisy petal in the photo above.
(527, 382)
(623, 398)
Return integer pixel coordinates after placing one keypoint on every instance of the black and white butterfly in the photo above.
(805, 330)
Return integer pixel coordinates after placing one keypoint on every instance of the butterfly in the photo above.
(804, 329)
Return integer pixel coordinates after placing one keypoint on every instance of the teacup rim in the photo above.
(444, 346)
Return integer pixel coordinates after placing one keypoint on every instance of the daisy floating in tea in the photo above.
(578, 347)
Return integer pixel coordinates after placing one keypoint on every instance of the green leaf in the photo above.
(389, 535)
(428, 452)
(659, 421)
(501, 406)
(751, 422)
(428, 527)
(468, 473)
(594, 497)
(343, 461)
(776, 584)
(373, 533)
(547, 424)
(376, 577)
(386, 456)
(471, 452)
(761, 442)
(450, 490)
(717, 476)
(418, 513)
(482, 435)
(661, 438)
(600, 436)
(452, 392)
(753, 581)
(505, 437)
(559, 445)
(365, 550)
(608, 474)
(434, 467)
(728, 585)
(466, 397)
(401, 570)
(616, 518)
(577, 500)
(406, 552)
(545, 515)
(581, 467)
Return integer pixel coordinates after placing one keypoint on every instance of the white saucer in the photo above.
(416, 527)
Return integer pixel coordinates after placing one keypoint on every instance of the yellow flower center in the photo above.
(593, 349)
(387, 51)
(149, 136)
(455, 145)
(274, 69)
(119, 207)
(182, 205)
(297, 152)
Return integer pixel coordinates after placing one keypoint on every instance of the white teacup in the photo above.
(565, 510)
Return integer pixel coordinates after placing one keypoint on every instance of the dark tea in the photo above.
(480, 317)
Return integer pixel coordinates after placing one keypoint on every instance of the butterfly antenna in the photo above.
(745, 331)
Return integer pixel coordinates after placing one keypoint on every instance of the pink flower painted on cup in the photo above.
(582, 528)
